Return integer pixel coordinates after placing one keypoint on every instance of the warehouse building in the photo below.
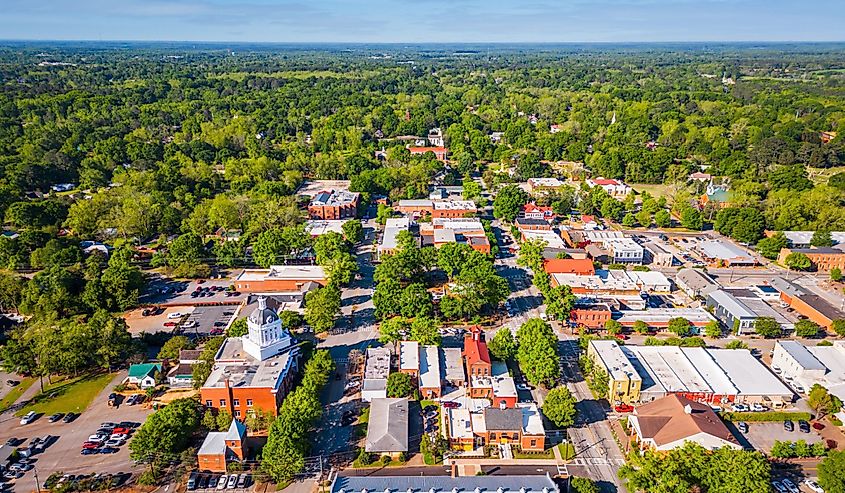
(806, 366)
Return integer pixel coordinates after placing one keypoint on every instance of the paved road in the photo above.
(63, 455)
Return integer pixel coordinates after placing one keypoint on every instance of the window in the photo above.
(208, 403)
(222, 402)
(249, 403)
(236, 402)
(533, 443)
(237, 413)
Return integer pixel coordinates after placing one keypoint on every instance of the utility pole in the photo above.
(37, 482)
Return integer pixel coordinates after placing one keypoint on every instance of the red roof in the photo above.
(581, 267)
(423, 150)
(587, 219)
(536, 208)
(605, 181)
(475, 349)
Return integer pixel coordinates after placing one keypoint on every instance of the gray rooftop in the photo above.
(802, 355)
(444, 484)
(387, 430)
(497, 419)
(453, 364)
(242, 370)
(725, 250)
(730, 303)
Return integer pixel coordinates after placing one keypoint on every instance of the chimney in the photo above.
(688, 409)
(503, 405)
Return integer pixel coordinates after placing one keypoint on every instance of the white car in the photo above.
(809, 483)
(790, 486)
(28, 418)
(98, 438)
(522, 386)
(758, 408)
(174, 315)
(113, 443)
(739, 408)
(117, 436)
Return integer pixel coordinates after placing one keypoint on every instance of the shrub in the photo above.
(767, 416)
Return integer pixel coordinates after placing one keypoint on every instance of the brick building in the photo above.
(221, 448)
(334, 204)
(255, 371)
(823, 258)
(439, 152)
(280, 278)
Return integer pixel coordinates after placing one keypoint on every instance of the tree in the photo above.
(662, 218)
(836, 274)
(691, 218)
(238, 328)
(387, 298)
(187, 249)
(353, 231)
(321, 306)
(165, 433)
(798, 261)
(770, 247)
(736, 344)
(559, 301)
(820, 399)
(831, 472)
(680, 326)
(393, 330)
(508, 202)
(806, 328)
(416, 301)
(537, 353)
(583, 485)
(171, 348)
(424, 330)
(838, 326)
(640, 327)
(451, 258)
(399, 385)
(202, 369)
(269, 248)
(629, 220)
(821, 238)
(503, 345)
(612, 327)
(559, 407)
(767, 327)
(644, 218)
(712, 329)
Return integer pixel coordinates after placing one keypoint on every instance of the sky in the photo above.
(424, 21)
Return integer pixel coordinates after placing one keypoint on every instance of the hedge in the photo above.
(767, 416)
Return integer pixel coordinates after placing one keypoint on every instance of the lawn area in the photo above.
(546, 454)
(72, 394)
(16, 393)
(567, 451)
(360, 426)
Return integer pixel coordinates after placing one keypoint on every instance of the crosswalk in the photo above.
(596, 461)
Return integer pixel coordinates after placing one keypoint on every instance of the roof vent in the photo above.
(688, 409)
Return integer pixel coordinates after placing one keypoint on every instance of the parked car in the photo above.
(779, 487)
(789, 426)
(818, 426)
(108, 424)
(624, 408)
(112, 442)
(742, 426)
(790, 486)
(232, 482)
(192, 481)
(221, 485)
(809, 483)
(70, 417)
(28, 418)
(212, 481)
(242, 479)
(451, 404)
(55, 417)
(174, 315)
(739, 408)
(804, 426)
(98, 438)
(203, 482)
(89, 451)
(523, 386)
(13, 383)
(758, 408)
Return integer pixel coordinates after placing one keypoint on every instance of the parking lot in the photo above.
(218, 481)
(208, 320)
(166, 291)
(762, 436)
(63, 452)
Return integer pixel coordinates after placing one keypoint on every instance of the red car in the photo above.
(120, 431)
(621, 337)
(623, 408)
(170, 324)
(451, 405)
(87, 445)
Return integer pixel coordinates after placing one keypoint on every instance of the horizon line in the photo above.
(88, 40)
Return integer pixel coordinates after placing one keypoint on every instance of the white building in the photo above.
(616, 188)
(624, 250)
(376, 371)
(804, 366)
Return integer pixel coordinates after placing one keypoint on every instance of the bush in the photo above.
(771, 416)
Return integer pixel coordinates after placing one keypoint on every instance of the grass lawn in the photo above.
(360, 426)
(69, 395)
(567, 451)
(16, 393)
(546, 454)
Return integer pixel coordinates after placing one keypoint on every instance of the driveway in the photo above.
(63, 454)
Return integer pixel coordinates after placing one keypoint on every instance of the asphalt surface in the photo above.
(63, 454)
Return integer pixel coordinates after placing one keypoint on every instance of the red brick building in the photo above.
(280, 278)
(334, 204)
(439, 152)
(581, 267)
(221, 448)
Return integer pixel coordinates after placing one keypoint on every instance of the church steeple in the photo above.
(265, 336)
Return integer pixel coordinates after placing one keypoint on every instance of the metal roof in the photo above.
(801, 355)
(443, 484)
(730, 303)
(387, 430)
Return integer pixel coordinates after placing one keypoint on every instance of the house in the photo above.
(221, 448)
(334, 204)
(522, 426)
(376, 372)
(823, 258)
(503, 386)
(280, 278)
(439, 152)
(624, 250)
(615, 188)
(827, 136)
(496, 137)
(143, 375)
(715, 196)
(695, 283)
(590, 223)
(534, 211)
(670, 422)
(435, 137)
(699, 176)
(732, 312)
(224, 234)
(442, 484)
(387, 428)
(254, 371)
(544, 184)
(552, 239)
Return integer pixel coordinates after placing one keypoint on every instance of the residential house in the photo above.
(615, 188)
(534, 211)
(695, 283)
(221, 448)
(435, 137)
(143, 375)
(544, 184)
(429, 383)
(478, 363)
